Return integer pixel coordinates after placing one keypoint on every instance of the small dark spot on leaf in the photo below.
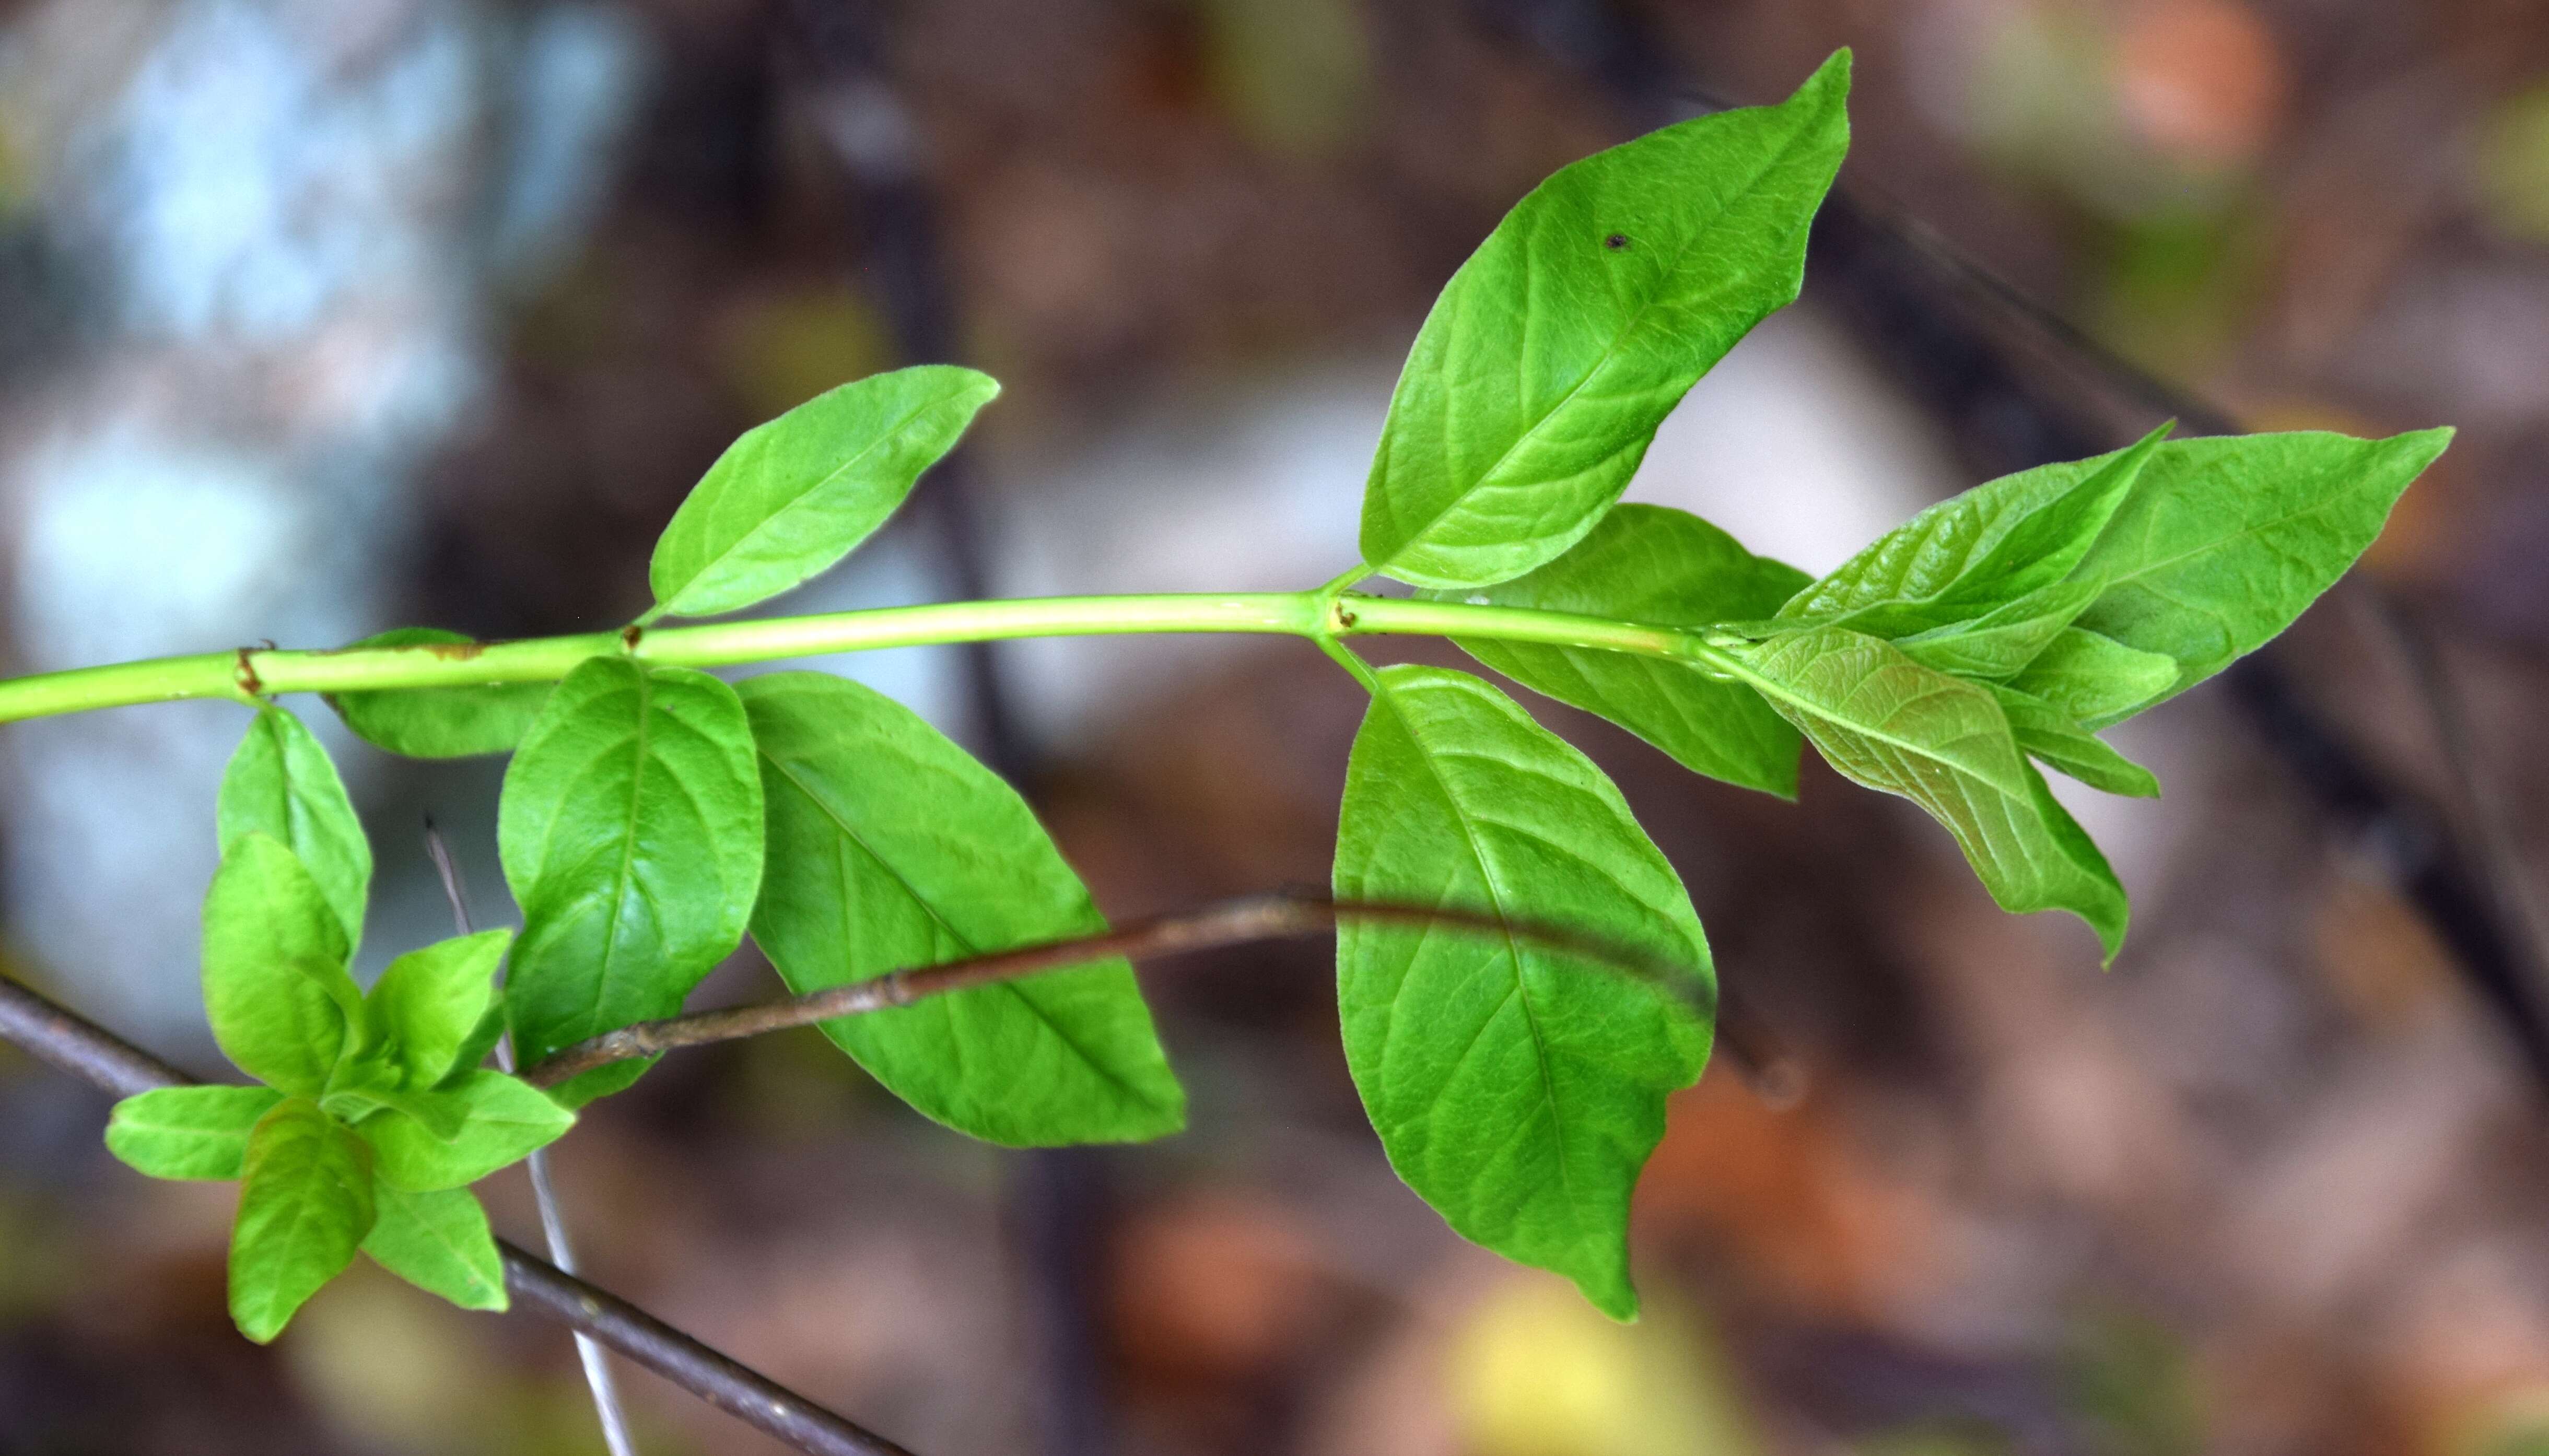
(1617, 242)
(630, 635)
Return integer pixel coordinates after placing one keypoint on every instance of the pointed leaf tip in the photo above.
(792, 497)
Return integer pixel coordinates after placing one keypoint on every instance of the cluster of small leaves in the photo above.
(653, 816)
(650, 816)
(372, 1115)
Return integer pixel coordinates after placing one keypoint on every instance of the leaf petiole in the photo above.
(1348, 660)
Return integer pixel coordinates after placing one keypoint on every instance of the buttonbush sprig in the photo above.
(653, 816)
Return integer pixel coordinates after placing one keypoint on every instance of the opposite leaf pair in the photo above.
(375, 1114)
(652, 815)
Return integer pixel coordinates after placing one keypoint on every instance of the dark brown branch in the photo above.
(1230, 923)
(57, 1035)
(736, 1388)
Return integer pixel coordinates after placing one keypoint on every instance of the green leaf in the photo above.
(304, 1207)
(1553, 354)
(187, 1132)
(480, 1042)
(1517, 1089)
(631, 831)
(2051, 736)
(440, 1113)
(1888, 722)
(2001, 642)
(504, 1119)
(274, 968)
(891, 848)
(440, 722)
(2095, 680)
(2223, 541)
(792, 497)
(1979, 550)
(280, 783)
(426, 1006)
(441, 1243)
(1653, 563)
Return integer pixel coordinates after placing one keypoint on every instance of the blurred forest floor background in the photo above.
(319, 316)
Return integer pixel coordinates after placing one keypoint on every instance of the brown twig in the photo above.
(57, 1035)
(1229, 923)
(2495, 847)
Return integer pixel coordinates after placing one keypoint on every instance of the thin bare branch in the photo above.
(2495, 846)
(57, 1035)
(1215, 927)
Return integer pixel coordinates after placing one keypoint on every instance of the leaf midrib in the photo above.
(2220, 543)
(1131, 1093)
(1774, 688)
(752, 533)
(623, 881)
(471, 1278)
(1513, 955)
(287, 1243)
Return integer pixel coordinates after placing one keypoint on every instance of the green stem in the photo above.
(248, 672)
(1345, 658)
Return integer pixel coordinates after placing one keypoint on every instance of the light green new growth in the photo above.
(366, 1100)
(305, 1208)
(281, 783)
